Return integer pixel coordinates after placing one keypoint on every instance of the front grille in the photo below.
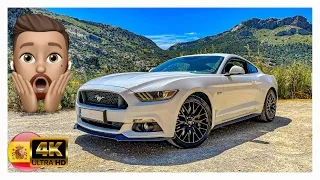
(108, 124)
(102, 98)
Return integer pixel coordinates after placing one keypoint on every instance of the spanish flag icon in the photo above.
(19, 151)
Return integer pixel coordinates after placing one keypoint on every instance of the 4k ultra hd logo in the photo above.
(48, 152)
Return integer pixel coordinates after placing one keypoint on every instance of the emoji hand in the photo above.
(26, 93)
(54, 94)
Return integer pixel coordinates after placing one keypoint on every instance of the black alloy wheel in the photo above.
(193, 123)
(270, 107)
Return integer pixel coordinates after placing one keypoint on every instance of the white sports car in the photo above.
(181, 100)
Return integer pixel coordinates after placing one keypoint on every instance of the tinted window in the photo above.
(194, 64)
(179, 66)
(251, 68)
(231, 63)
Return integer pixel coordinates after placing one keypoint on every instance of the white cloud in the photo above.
(191, 33)
(164, 46)
(164, 41)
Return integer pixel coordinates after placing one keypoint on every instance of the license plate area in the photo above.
(93, 115)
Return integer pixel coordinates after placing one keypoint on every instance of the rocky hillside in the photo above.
(95, 46)
(278, 41)
(273, 23)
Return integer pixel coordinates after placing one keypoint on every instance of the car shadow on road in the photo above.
(164, 154)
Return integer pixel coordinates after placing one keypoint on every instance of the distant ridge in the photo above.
(279, 41)
(96, 47)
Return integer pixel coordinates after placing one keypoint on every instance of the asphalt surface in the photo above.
(284, 145)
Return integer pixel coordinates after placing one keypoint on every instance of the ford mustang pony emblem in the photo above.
(98, 97)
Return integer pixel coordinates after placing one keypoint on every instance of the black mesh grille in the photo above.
(102, 98)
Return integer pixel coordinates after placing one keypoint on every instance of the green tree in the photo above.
(248, 50)
(212, 49)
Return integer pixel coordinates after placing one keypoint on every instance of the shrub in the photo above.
(78, 78)
(294, 81)
(14, 102)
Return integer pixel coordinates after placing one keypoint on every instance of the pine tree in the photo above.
(212, 49)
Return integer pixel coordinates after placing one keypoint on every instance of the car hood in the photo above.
(134, 79)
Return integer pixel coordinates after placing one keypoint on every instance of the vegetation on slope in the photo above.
(100, 49)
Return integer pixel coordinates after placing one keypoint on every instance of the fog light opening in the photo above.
(146, 127)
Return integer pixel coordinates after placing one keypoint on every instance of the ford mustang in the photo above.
(181, 100)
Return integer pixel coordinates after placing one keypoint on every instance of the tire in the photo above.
(193, 124)
(270, 106)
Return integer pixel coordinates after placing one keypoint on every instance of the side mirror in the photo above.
(151, 69)
(236, 70)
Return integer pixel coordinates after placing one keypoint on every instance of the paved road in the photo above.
(284, 145)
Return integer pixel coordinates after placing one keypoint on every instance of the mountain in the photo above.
(278, 41)
(95, 46)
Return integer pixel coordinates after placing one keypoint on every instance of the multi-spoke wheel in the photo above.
(193, 123)
(270, 107)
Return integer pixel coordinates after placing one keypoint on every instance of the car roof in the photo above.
(215, 54)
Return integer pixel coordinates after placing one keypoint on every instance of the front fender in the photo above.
(267, 82)
(188, 93)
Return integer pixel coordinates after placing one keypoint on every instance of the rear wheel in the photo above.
(193, 123)
(270, 107)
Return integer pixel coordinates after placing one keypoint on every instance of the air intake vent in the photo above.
(102, 98)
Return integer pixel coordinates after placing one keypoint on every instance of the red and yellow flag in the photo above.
(19, 151)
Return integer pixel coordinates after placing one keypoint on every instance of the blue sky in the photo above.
(167, 25)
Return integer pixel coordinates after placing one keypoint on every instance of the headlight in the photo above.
(155, 95)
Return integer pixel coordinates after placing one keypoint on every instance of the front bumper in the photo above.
(162, 112)
(118, 137)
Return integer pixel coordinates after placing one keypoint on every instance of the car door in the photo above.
(239, 91)
(253, 71)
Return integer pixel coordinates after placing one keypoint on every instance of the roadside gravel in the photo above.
(284, 145)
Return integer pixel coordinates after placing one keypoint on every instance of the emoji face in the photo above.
(40, 57)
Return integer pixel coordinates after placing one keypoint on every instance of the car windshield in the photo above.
(194, 64)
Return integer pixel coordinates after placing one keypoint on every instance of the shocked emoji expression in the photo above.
(40, 57)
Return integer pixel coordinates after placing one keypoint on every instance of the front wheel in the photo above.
(270, 106)
(193, 123)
